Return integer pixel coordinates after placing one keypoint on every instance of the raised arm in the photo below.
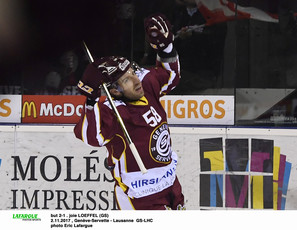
(159, 35)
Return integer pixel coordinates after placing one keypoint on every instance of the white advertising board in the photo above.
(10, 108)
(208, 110)
(47, 168)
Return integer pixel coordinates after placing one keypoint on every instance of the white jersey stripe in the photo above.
(171, 78)
(142, 73)
(116, 102)
(84, 130)
(99, 137)
(123, 200)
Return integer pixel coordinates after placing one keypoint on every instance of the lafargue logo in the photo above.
(160, 148)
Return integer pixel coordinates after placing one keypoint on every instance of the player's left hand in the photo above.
(158, 31)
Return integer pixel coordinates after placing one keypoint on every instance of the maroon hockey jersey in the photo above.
(146, 123)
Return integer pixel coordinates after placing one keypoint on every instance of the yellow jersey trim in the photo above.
(141, 101)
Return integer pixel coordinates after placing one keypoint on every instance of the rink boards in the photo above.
(46, 167)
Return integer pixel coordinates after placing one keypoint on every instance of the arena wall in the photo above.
(46, 167)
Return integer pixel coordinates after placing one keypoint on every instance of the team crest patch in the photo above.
(160, 149)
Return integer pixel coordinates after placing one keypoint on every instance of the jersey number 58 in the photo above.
(151, 117)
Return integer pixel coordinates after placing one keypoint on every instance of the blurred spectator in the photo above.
(200, 49)
(69, 75)
(52, 83)
(59, 76)
(188, 19)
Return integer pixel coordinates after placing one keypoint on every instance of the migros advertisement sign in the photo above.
(51, 109)
(207, 110)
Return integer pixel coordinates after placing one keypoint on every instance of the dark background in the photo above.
(36, 35)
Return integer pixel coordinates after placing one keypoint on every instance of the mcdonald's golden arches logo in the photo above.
(30, 108)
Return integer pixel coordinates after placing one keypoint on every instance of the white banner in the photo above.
(145, 220)
(206, 110)
(10, 108)
(47, 168)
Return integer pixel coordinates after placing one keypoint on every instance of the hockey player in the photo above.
(136, 94)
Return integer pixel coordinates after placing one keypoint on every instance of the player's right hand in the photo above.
(158, 31)
(90, 83)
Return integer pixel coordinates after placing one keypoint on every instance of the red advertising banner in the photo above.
(54, 109)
